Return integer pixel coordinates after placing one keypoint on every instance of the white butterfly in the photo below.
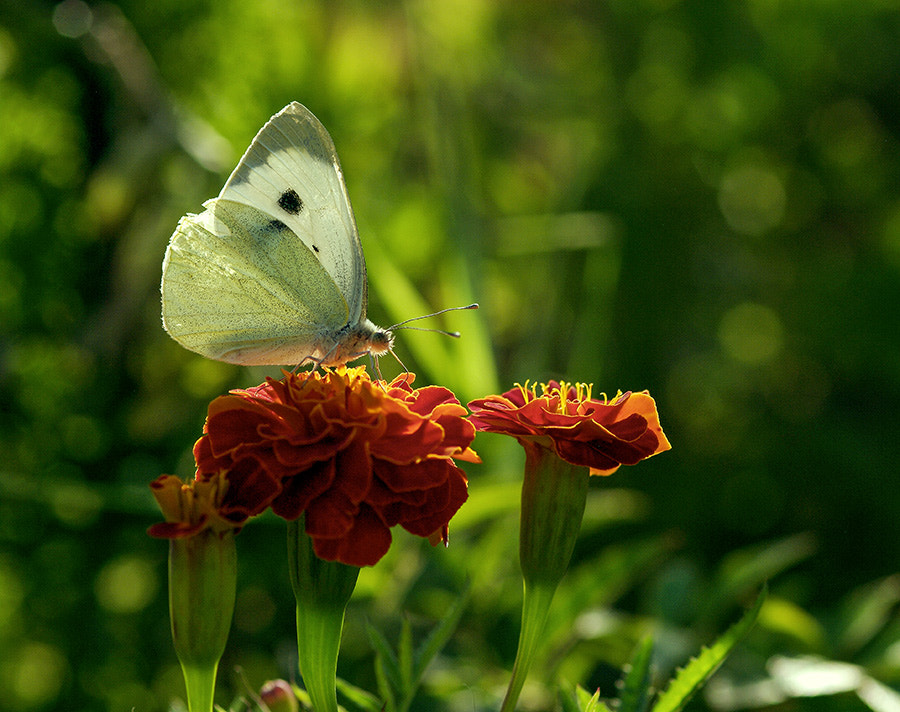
(272, 271)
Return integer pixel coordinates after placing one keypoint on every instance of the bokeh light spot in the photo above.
(126, 584)
(108, 199)
(35, 674)
(254, 609)
(715, 422)
(751, 333)
(848, 133)
(85, 438)
(890, 236)
(75, 504)
(752, 200)
(657, 93)
(11, 593)
(203, 377)
(72, 18)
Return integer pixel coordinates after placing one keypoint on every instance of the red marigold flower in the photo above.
(563, 431)
(598, 434)
(356, 456)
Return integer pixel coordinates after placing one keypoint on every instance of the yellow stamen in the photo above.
(527, 390)
(583, 393)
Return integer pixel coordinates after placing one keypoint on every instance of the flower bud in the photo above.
(554, 493)
(202, 576)
(279, 696)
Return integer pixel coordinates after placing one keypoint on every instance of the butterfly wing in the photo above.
(273, 270)
(240, 286)
(291, 172)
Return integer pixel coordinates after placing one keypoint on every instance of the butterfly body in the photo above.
(272, 271)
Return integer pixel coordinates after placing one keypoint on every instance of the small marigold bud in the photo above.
(278, 696)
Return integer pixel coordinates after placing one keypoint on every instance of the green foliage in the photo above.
(695, 674)
(582, 701)
(635, 694)
(636, 687)
(400, 672)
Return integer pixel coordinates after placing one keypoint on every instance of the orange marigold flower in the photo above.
(598, 434)
(358, 457)
(563, 431)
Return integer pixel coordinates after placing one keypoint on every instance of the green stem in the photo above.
(200, 682)
(322, 590)
(318, 643)
(535, 607)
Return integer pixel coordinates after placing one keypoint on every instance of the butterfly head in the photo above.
(354, 341)
(380, 341)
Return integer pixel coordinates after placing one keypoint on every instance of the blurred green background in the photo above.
(696, 198)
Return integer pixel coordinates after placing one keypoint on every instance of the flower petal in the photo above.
(356, 456)
(600, 435)
(363, 545)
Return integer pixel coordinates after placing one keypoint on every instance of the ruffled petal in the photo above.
(601, 435)
(356, 456)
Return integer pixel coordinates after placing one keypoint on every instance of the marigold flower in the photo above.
(356, 456)
(190, 507)
(563, 431)
(598, 434)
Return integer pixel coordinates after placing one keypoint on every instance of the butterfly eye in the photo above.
(290, 202)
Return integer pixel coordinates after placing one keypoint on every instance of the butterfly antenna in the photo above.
(402, 325)
(455, 334)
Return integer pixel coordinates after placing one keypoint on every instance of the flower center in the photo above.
(563, 392)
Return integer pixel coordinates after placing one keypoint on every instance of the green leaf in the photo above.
(635, 693)
(865, 614)
(440, 634)
(390, 667)
(744, 570)
(695, 674)
(580, 700)
(430, 647)
(400, 675)
(603, 580)
(593, 703)
(359, 697)
(568, 700)
(584, 697)
(303, 696)
(405, 657)
(384, 686)
(785, 618)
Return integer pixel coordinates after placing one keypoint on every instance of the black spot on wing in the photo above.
(316, 249)
(290, 202)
